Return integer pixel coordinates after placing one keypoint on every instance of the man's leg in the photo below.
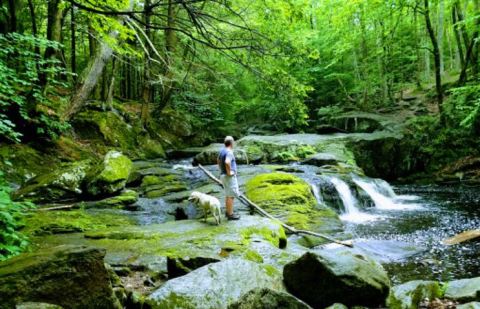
(229, 205)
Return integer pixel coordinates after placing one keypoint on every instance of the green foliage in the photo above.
(20, 90)
(12, 241)
(463, 106)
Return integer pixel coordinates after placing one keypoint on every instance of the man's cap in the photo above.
(228, 139)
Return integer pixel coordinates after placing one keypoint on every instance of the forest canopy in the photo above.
(285, 63)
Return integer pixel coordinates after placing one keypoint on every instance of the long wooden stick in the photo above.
(261, 211)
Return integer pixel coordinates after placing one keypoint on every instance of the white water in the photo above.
(382, 201)
(316, 193)
(349, 202)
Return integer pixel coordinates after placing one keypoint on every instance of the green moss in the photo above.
(150, 180)
(253, 256)
(52, 222)
(111, 175)
(290, 199)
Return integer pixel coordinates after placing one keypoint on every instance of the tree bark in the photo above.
(441, 14)
(73, 56)
(170, 46)
(436, 57)
(54, 33)
(146, 89)
(90, 75)
(456, 31)
(33, 20)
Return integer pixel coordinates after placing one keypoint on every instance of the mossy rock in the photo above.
(215, 285)
(463, 290)
(290, 199)
(20, 162)
(150, 148)
(268, 299)
(78, 220)
(105, 126)
(346, 277)
(68, 276)
(410, 294)
(124, 199)
(111, 175)
(62, 184)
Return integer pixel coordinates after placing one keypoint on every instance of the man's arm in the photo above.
(228, 166)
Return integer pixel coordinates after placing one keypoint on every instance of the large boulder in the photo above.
(216, 285)
(268, 299)
(463, 290)
(209, 155)
(188, 244)
(324, 278)
(470, 305)
(291, 200)
(68, 276)
(410, 294)
(64, 183)
(110, 176)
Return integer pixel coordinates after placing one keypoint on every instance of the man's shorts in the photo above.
(230, 184)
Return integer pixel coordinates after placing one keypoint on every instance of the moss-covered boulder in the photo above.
(464, 290)
(36, 305)
(410, 294)
(470, 305)
(268, 299)
(106, 127)
(73, 221)
(290, 199)
(62, 184)
(209, 155)
(125, 199)
(68, 276)
(110, 176)
(324, 278)
(216, 285)
(188, 239)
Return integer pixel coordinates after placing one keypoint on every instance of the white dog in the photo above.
(207, 203)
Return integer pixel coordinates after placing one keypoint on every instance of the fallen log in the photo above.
(462, 237)
(262, 212)
(60, 207)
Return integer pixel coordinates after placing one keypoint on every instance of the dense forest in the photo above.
(397, 81)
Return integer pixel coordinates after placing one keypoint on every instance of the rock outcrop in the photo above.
(410, 294)
(61, 184)
(268, 299)
(324, 278)
(68, 276)
(464, 290)
(110, 176)
(290, 199)
(216, 285)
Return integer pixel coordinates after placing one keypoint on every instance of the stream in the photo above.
(401, 226)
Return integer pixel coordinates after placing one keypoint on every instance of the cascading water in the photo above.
(383, 195)
(316, 193)
(349, 202)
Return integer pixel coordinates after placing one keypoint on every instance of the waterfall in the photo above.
(350, 203)
(316, 193)
(383, 195)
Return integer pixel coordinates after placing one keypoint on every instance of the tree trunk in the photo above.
(12, 14)
(54, 33)
(34, 32)
(456, 31)
(170, 46)
(441, 14)
(90, 75)
(146, 89)
(111, 87)
(436, 57)
(73, 56)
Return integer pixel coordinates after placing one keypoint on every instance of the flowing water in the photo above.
(402, 227)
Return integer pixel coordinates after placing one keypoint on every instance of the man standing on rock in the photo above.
(228, 169)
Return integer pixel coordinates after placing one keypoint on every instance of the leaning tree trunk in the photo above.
(436, 58)
(89, 78)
